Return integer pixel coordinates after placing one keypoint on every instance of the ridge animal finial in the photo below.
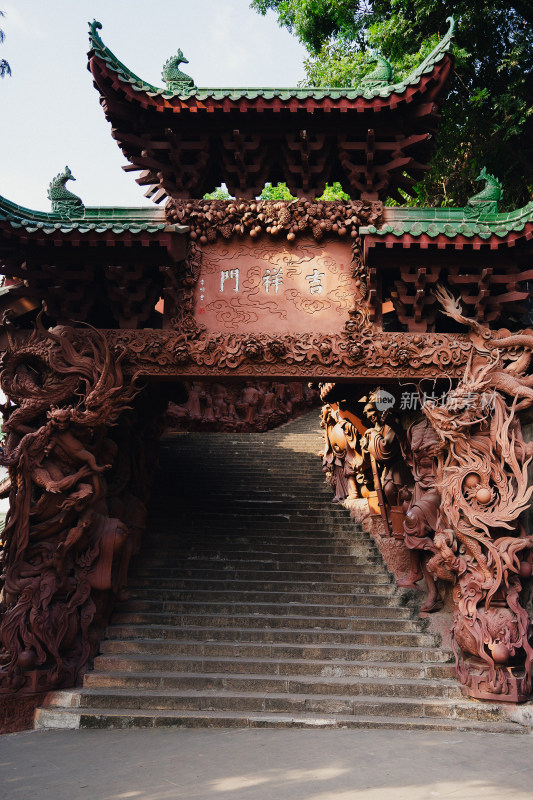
(485, 201)
(64, 201)
(175, 79)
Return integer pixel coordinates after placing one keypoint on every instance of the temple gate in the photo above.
(108, 312)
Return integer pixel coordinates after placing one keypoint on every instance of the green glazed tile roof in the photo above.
(92, 219)
(450, 222)
(99, 49)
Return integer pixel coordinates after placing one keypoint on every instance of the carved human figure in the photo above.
(268, 401)
(421, 518)
(342, 459)
(252, 406)
(383, 443)
(208, 417)
(193, 404)
(284, 397)
(223, 407)
(249, 402)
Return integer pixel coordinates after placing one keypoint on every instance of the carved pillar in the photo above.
(75, 516)
(480, 542)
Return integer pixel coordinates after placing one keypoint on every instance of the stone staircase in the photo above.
(258, 603)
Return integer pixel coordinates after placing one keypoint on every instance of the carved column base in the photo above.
(503, 684)
(38, 680)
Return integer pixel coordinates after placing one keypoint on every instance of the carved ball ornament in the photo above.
(209, 219)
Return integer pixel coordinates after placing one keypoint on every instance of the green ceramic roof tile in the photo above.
(124, 74)
(98, 219)
(450, 222)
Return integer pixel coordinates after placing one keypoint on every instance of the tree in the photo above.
(5, 69)
(488, 117)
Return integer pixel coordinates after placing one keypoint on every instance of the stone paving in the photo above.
(169, 764)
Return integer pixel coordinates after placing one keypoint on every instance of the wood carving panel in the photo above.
(274, 287)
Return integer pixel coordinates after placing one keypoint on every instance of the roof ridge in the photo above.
(125, 74)
(450, 222)
(121, 69)
(440, 49)
(97, 218)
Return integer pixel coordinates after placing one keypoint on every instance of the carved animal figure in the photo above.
(483, 481)
(63, 200)
(173, 76)
(381, 75)
(64, 554)
(511, 380)
(485, 201)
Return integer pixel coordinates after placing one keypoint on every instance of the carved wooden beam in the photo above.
(373, 355)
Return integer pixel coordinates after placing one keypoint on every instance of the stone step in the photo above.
(234, 583)
(274, 536)
(277, 618)
(145, 611)
(230, 665)
(357, 552)
(275, 649)
(255, 572)
(284, 702)
(290, 594)
(296, 525)
(231, 477)
(234, 493)
(234, 555)
(74, 718)
(255, 683)
(173, 544)
(246, 630)
(274, 514)
(174, 561)
(247, 450)
(214, 567)
(257, 602)
(271, 502)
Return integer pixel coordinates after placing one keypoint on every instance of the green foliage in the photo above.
(312, 21)
(488, 116)
(342, 63)
(279, 192)
(219, 194)
(5, 69)
(333, 192)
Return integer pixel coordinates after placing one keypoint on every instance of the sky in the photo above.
(51, 116)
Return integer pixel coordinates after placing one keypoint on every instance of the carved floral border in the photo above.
(373, 355)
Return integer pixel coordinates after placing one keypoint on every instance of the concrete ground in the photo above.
(264, 765)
